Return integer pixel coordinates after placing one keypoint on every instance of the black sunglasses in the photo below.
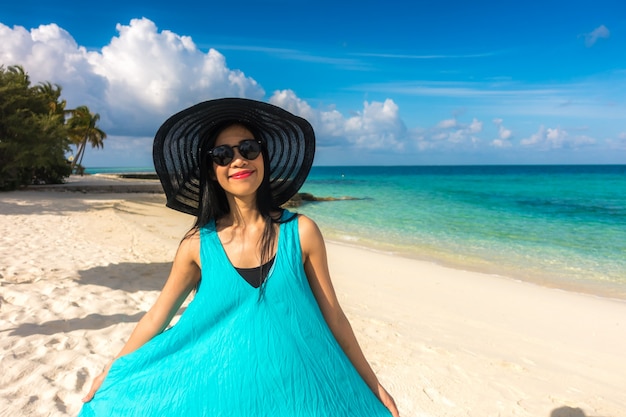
(248, 148)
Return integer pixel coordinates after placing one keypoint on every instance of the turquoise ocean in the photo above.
(562, 226)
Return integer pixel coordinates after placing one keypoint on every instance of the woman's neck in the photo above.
(242, 213)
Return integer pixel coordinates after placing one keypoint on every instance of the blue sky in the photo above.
(393, 83)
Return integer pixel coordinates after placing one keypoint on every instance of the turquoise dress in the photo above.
(233, 353)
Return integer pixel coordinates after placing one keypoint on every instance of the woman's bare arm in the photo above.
(183, 277)
(316, 268)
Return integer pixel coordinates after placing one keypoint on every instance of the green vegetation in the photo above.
(36, 132)
(83, 130)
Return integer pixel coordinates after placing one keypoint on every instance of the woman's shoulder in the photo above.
(191, 240)
(193, 233)
(189, 247)
(307, 228)
(304, 220)
(192, 237)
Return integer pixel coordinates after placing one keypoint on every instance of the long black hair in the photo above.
(213, 203)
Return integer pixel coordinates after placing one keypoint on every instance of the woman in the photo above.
(264, 334)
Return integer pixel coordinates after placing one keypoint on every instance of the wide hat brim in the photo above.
(181, 142)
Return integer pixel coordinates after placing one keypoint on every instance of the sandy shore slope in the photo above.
(77, 271)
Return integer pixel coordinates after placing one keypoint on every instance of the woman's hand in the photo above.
(97, 382)
(388, 401)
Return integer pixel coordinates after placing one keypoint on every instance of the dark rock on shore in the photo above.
(301, 198)
(139, 176)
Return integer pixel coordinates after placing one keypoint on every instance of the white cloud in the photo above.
(135, 82)
(535, 138)
(126, 151)
(592, 37)
(377, 125)
(288, 100)
(593, 97)
(447, 124)
(49, 53)
(556, 138)
(475, 127)
(555, 135)
(152, 74)
(504, 134)
(448, 133)
(144, 75)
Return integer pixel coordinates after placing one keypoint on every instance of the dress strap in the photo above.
(289, 240)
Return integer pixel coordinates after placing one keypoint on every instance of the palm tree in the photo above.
(83, 130)
(56, 106)
(53, 94)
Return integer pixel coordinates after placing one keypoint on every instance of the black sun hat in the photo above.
(182, 141)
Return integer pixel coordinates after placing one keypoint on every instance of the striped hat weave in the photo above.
(181, 143)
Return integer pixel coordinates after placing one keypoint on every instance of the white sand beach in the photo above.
(78, 270)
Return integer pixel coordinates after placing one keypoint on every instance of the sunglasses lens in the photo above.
(222, 155)
(249, 149)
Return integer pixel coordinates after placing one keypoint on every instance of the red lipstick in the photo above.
(240, 175)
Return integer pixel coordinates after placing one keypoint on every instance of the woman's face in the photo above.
(241, 177)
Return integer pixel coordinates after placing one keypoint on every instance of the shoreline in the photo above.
(102, 183)
(106, 183)
(610, 291)
(79, 270)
